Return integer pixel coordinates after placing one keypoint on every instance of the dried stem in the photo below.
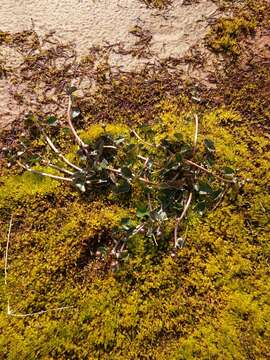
(58, 153)
(196, 134)
(178, 220)
(64, 171)
(11, 313)
(141, 139)
(74, 132)
(26, 167)
(7, 247)
(208, 171)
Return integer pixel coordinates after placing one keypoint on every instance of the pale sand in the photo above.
(88, 22)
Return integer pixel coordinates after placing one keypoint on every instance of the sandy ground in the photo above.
(87, 23)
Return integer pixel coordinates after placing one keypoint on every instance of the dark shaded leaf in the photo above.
(209, 145)
(201, 207)
(227, 171)
(126, 172)
(51, 120)
(142, 211)
(122, 187)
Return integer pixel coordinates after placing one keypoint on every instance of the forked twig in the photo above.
(58, 153)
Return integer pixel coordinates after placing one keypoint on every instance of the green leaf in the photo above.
(126, 172)
(201, 207)
(227, 171)
(142, 211)
(203, 189)
(185, 149)
(126, 223)
(51, 120)
(209, 145)
(122, 187)
(178, 157)
(103, 165)
(216, 194)
(34, 159)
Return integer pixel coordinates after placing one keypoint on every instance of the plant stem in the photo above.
(208, 171)
(178, 220)
(74, 132)
(58, 153)
(26, 167)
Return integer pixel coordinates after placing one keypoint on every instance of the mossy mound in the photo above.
(211, 300)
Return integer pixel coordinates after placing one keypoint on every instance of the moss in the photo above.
(226, 34)
(160, 4)
(209, 301)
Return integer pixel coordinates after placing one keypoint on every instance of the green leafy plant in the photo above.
(167, 175)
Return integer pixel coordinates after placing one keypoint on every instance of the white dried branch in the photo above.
(26, 167)
(58, 153)
(74, 132)
(179, 219)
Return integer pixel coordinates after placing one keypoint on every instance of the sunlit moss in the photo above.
(209, 301)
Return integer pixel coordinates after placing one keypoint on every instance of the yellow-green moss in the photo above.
(211, 301)
(225, 35)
